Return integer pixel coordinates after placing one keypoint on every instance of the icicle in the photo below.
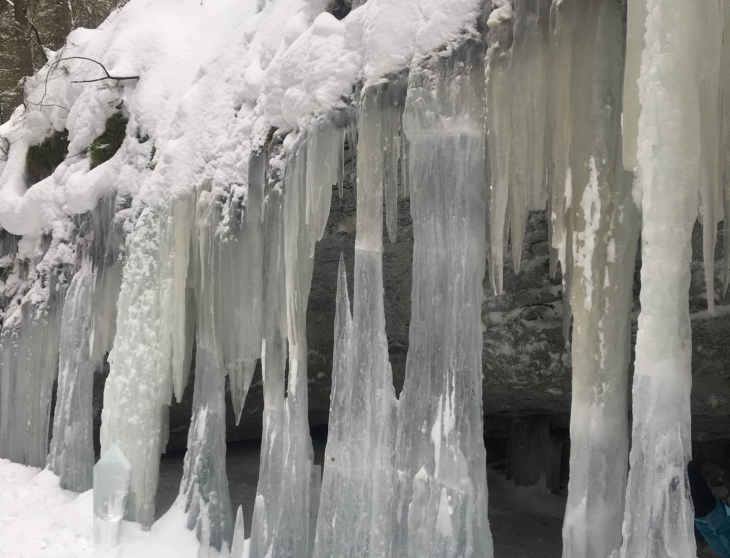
(392, 123)
(658, 520)
(499, 112)
(635, 30)
(178, 321)
(442, 489)
(72, 449)
(711, 138)
(324, 167)
(558, 133)
(528, 69)
(604, 223)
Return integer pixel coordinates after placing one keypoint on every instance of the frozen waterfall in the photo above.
(186, 263)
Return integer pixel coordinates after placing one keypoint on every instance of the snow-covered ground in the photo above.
(39, 519)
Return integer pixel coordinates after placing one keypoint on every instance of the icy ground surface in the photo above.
(39, 519)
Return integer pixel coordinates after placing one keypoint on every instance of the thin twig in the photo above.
(108, 75)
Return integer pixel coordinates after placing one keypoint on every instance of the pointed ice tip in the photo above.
(114, 456)
(239, 536)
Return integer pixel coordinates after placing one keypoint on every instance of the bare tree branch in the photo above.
(108, 75)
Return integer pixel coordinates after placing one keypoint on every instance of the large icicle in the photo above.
(559, 126)
(72, 449)
(658, 520)
(711, 138)
(604, 222)
(441, 459)
(499, 114)
(205, 485)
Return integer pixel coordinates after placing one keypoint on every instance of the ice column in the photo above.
(604, 221)
(205, 485)
(140, 380)
(269, 491)
(284, 495)
(111, 486)
(659, 519)
(441, 459)
(72, 450)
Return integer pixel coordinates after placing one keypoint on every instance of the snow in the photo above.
(40, 519)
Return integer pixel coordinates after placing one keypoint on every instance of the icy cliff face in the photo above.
(196, 243)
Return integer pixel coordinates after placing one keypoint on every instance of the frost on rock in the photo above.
(604, 223)
(659, 518)
(441, 460)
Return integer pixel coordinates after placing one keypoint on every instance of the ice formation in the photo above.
(111, 485)
(199, 237)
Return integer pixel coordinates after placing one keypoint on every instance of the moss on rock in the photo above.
(108, 143)
(43, 158)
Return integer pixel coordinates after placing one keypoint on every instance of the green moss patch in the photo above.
(43, 158)
(108, 143)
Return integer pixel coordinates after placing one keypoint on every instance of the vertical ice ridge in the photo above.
(441, 487)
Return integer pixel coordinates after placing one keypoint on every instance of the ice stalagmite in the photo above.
(658, 521)
(205, 485)
(604, 222)
(342, 529)
(725, 146)
(72, 451)
(441, 459)
(140, 380)
(269, 491)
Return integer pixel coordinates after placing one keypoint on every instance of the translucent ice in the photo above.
(111, 486)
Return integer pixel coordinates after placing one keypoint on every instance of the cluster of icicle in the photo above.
(616, 125)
